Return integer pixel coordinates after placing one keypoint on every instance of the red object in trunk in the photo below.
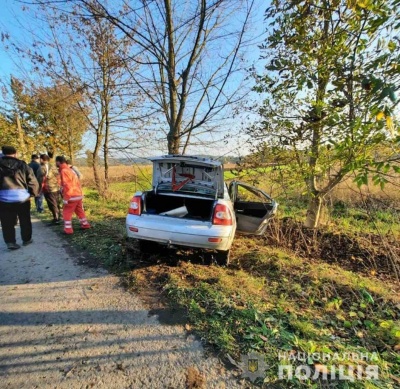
(179, 185)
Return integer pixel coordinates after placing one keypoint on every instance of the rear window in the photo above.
(183, 177)
(187, 188)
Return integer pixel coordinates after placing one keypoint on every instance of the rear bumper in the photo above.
(180, 232)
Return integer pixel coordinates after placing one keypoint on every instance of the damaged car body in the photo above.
(191, 206)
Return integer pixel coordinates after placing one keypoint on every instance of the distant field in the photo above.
(121, 173)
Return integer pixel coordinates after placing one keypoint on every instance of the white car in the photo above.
(191, 206)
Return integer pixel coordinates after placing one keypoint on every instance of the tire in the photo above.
(222, 257)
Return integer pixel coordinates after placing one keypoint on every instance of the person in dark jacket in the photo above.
(17, 185)
(35, 165)
(51, 155)
(49, 183)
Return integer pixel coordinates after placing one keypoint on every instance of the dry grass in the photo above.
(120, 173)
(283, 184)
(348, 192)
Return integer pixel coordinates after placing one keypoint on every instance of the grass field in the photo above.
(291, 291)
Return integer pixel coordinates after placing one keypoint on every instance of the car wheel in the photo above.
(222, 257)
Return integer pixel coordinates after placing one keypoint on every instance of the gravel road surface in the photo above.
(63, 325)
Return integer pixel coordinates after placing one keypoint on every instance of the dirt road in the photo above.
(63, 325)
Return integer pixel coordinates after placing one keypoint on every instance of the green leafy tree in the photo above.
(8, 131)
(332, 73)
(57, 115)
(50, 117)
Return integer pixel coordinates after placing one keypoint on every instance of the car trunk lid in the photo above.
(189, 175)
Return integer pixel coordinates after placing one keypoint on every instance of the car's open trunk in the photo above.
(178, 206)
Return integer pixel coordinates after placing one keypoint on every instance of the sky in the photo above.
(15, 21)
(12, 19)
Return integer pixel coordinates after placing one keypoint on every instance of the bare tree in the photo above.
(189, 57)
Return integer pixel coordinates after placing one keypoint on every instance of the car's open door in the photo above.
(253, 208)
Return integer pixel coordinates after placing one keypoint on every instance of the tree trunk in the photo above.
(105, 155)
(70, 145)
(21, 139)
(96, 174)
(95, 157)
(173, 143)
(316, 196)
(314, 211)
(174, 123)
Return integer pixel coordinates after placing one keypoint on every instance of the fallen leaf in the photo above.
(194, 379)
(262, 337)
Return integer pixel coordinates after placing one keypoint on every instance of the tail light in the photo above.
(222, 215)
(135, 207)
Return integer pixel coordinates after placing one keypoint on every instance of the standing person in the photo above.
(72, 194)
(35, 165)
(49, 181)
(75, 169)
(60, 202)
(17, 185)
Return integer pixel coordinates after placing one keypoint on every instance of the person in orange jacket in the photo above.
(71, 192)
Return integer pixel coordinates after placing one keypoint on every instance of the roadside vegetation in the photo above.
(294, 290)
